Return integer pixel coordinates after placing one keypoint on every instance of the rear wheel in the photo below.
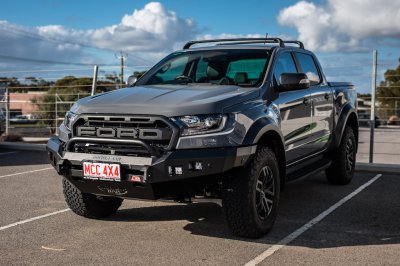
(89, 205)
(341, 170)
(250, 199)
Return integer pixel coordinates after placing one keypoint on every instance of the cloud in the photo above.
(148, 32)
(21, 42)
(343, 25)
(151, 29)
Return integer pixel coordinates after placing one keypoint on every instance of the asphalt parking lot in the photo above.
(36, 228)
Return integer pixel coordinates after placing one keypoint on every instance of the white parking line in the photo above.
(285, 241)
(10, 152)
(33, 219)
(27, 172)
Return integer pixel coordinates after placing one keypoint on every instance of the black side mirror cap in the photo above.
(293, 81)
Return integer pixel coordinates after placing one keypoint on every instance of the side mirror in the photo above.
(132, 80)
(293, 81)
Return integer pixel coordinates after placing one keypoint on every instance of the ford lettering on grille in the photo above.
(123, 133)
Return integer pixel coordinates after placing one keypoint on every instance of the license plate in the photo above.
(102, 171)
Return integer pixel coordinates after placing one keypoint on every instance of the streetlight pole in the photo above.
(7, 95)
(372, 120)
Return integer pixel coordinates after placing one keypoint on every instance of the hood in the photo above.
(166, 100)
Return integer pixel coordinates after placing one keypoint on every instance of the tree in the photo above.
(389, 93)
(113, 78)
(13, 81)
(60, 97)
(139, 73)
(37, 84)
(32, 80)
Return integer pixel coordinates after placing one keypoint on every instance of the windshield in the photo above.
(243, 68)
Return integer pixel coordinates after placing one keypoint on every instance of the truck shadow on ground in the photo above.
(23, 158)
(368, 219)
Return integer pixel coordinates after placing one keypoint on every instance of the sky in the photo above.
(69, 37)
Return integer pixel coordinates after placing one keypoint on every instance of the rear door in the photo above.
(295, 110)
(321, 98)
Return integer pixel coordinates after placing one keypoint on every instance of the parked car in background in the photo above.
(19, 119)
(23, 119)
(365, 120)
(393, 121)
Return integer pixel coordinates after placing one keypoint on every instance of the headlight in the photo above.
(69, 119)
(200, 124)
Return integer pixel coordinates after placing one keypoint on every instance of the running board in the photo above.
(309, 170)
(192, 200)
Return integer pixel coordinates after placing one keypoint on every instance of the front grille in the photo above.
(148, 132)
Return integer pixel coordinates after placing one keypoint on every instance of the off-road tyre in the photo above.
(241, 193)
(89, 205)
(341, 171)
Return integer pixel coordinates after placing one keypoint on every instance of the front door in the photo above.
(295, 110)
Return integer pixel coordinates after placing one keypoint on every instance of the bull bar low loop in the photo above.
(72, 141)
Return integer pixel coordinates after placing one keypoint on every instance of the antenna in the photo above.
(266, 36)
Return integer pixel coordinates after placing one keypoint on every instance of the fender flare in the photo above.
(259, 129)
(337, 134)
(256, 133)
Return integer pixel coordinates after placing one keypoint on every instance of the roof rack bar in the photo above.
(244, 42)
(259, 40)
(299, 43)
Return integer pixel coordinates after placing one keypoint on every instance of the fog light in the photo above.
(178, 170)
(198, 166)
(135, 178)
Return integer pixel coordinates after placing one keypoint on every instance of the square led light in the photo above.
(178, 170)
(198, 166)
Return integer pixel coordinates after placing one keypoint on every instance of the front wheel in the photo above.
(343, 164)
(250, 199)
(89, 205)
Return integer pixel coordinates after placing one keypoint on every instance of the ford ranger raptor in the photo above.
(226, 119)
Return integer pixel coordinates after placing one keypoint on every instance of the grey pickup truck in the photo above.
(226, 119)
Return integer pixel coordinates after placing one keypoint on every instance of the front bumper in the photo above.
(154, 172)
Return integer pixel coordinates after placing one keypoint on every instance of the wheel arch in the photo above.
(273, 140)
(265, 132)
(352, 122)
(348, 117)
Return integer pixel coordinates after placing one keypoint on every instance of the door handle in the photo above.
(306, 101)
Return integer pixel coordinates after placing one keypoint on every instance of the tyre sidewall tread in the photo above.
(88, 205)
(337, 173)
(239, 197)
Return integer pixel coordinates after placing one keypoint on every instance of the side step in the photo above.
(308, 170)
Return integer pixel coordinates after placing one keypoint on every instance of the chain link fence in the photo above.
(39, 113)
(36, 110)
